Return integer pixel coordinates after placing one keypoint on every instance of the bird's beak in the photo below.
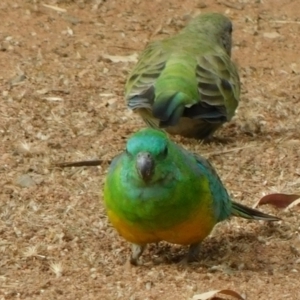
(145, 165)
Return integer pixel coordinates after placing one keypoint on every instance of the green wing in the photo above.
(218, 87)
(223, 205)
(139, 89)
(221, 200)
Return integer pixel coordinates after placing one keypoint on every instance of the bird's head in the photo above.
(216, 26)
(147, 151)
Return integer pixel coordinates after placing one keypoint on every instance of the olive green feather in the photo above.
(187, 84)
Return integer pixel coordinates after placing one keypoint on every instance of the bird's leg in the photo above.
(137, 251)
(192, 255)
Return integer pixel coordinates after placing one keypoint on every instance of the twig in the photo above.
(55, 8)
(82, 163)
(286, 22)
(228, 150)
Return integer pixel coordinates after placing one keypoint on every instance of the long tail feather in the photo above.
(169, 106)
(239, 210)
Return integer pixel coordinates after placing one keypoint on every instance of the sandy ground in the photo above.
(62, 100)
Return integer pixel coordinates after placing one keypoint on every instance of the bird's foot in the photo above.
(192, 255)
(137, 251)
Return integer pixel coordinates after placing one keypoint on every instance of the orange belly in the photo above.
(193, 230)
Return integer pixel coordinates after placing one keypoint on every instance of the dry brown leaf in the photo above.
(295, 68)
(214, 295)
(17, 80)
(278, 200)
(119, 58)
(157, 30)
(271, 35)
(53, 99)
(293, 204)
(42, 91)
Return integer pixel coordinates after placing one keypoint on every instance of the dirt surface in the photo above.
(62, 100)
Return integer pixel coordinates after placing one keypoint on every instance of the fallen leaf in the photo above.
(278, 200)
(17, 80)
(25, 181)
(271, 35)
(295, 203)
(53, 99)
(42, 91)
(106, 94)
(157, 30)
(295, 68)
(214, 295)
(118, 58)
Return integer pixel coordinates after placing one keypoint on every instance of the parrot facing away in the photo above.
(187, 84)
(157, 191)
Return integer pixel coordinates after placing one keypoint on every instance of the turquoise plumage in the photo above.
(157, 191)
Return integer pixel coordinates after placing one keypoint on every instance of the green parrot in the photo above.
(157, 191)
(187, 84)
